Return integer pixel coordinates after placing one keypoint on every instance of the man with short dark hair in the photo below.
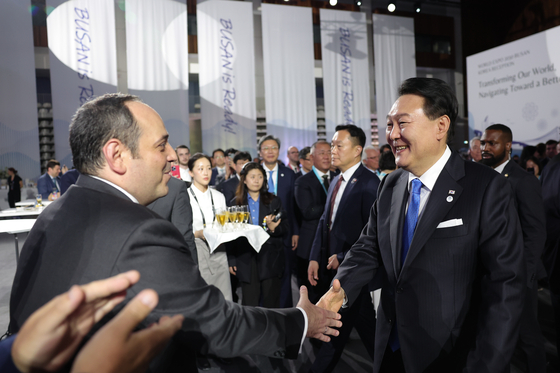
(496, 142)
(445, 237)
(100, 227)
(183, 156)
(229, 187)
(220, 172)
(551, 149)
(48, 185)
(350, 197)
(306, 161)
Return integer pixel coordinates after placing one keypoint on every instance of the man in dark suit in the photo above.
(49, 182)
(349, 200)
(445, 235)
(175, 207)
(496, 144)
(221, 172)
(100, 227)
(229, 187)
(305, 160)
(281, 183)
(311, 197)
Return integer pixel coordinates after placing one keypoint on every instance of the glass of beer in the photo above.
(246, 215)
(39, 199)
(221, 217)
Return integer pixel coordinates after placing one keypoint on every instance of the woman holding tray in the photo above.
(259, 273)
(204, 202)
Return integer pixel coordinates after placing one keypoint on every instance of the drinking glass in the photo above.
(246, 216)
(39, 199)
(221, 217)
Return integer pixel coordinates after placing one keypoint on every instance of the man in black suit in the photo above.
(229, 187)
(349, 200)
(305, 160)
(175, 207)
(445, 235)
(496, 144)
(100, 227)
(311, 197)
(281, 183)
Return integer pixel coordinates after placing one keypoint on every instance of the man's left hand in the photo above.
(295, 241)
(333, 263)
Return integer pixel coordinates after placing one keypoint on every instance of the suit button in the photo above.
(390, 321)
(279, 354)
(400, 290)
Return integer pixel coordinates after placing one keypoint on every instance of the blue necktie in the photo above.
(271, 182)
(408, 233)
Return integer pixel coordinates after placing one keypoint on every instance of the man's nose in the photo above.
(395, 133)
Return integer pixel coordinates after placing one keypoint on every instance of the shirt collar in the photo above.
(501, 167)
(250, 199)
(274, 169)
(430, 177)
(199, 192)
(319, 173)
(349, 172)
(117, 188)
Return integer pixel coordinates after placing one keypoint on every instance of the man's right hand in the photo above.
(333, 299)
(320, 321)
(313, 272)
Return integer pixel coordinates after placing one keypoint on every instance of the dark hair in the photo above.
(385, 146)
(218, 150)
(387, 161)
(541, 148)
(196, 157)
(96, 122)
(266, 138)
(357, 135)
(242, 156)
(182, 147)
(439, 99)
(552, 142)
(242, 190)
(230, 151)
(535, 161)
(52, 163)
(527, 152)
(304, 152)
(13, 170)
(504, 129)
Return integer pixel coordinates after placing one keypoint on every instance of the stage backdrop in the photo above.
(157, 61)
(395, 61)
(517, 84)
(226, 60)
(345, 70)
(19, 136)
(291, 108)
(83, 60)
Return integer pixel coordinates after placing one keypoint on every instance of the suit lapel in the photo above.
(438, 205)
(348, 190)
(398, 204)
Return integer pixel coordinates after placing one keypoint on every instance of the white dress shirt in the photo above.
(501, 167)
(205, 205)
(347, 176)
(274, 176)
(117, 188)
(185, 176)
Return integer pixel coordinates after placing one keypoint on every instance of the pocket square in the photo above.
(450, 223)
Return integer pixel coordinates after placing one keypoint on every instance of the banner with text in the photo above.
(157, 61)
(289, 80)
(83, 60)
(19, 136)
(517, 84)
(226, 59)
(395, 61)
(345, 69)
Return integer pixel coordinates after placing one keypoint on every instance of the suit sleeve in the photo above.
(291, 208)
(502, 284)
(212, 324)
(181, 217)
(42, 188)
(533, 224)
(6, 362)
(318, 245)
(304, 200)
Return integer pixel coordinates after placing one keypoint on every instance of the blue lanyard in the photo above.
(320, 178)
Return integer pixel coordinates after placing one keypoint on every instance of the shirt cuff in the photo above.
(345, 303)
(304, 328)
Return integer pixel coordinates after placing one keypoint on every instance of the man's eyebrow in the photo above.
(163, 138)
(397, 116)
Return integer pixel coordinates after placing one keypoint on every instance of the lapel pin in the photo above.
(354, 180)
(281, 175)
(451, 191)
(506, 175)
(449, 199)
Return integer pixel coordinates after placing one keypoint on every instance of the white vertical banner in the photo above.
(395, 61)
(83, 60)
(226, 59)
(157, 61)
(291, 105)
(345, 69)
(19, 136)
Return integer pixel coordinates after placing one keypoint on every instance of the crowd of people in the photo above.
(457, 246)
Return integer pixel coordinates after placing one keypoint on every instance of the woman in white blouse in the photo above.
(204, 200)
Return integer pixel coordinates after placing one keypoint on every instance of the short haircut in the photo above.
(304, 152)
(231, 151)
(182, 147)
(387, 161)
(357, 135)
(266, 138)
(217, 150)
(195, 158)
(52, 163)
(471, 143)
(96, 122)
(369, 147)
(314, 146)
(541, 149)
(245, 156)
(439, 99)
(504, 129)
(13, 170)
(552, 142)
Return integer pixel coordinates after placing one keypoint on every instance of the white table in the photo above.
(14, 227)
(31, 202)
(19, 212)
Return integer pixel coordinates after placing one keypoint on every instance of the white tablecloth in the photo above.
(254, 234)
(16, 226)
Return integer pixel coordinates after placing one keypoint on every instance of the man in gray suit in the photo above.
(100, 227)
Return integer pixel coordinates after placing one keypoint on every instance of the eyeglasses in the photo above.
(219, 157)
(274, 148)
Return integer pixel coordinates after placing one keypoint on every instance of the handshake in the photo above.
(51, 335)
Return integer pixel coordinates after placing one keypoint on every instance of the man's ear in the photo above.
(443, 124)
(116, 153)
(508, 147)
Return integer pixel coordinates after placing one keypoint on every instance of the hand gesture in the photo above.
(332, 300)
(51, 335)
(320, 321)
(313, 272)
(333, 262)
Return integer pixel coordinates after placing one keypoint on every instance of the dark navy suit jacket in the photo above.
(228, 188)
(285, 191)
(45, 185)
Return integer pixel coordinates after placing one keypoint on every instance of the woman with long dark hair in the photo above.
(259, 273)
(15, 184)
